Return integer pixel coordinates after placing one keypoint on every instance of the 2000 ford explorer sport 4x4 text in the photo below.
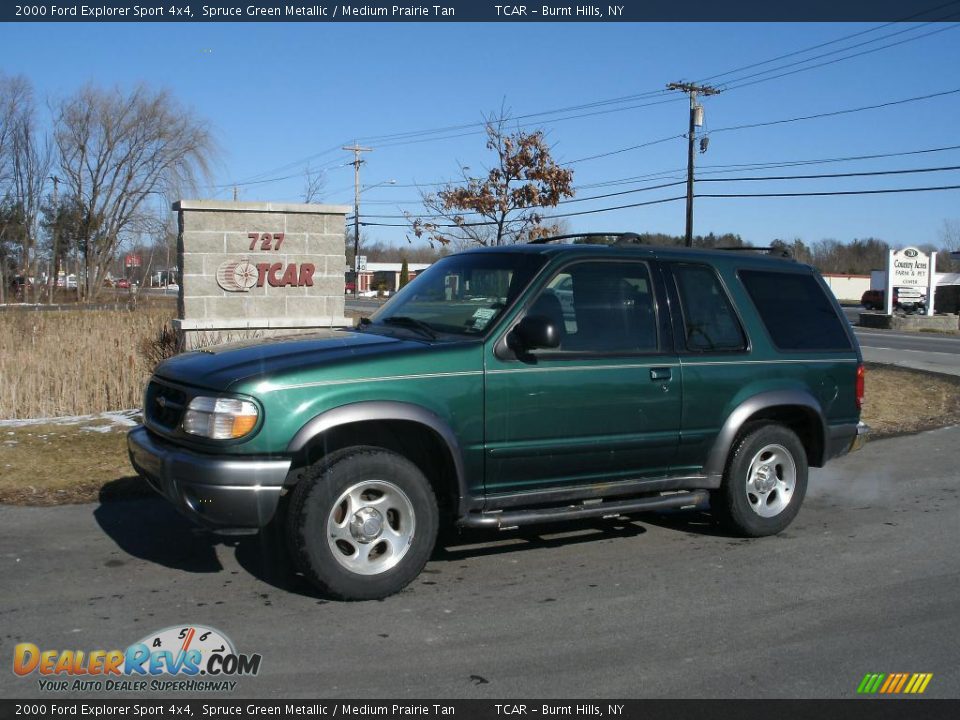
(511, 386)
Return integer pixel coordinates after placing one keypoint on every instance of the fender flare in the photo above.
(381, 410)
(717, 457)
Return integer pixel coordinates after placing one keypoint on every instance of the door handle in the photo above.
(663, 373)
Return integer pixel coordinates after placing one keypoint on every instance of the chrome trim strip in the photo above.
(467, 373)
(349, 381)
(582, 367)
(686, 361)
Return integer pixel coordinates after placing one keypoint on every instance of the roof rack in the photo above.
(769, 250)
(631, 238)
(619, 238)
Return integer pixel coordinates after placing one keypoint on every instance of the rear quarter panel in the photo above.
(715, 385)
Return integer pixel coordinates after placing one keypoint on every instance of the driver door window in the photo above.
(601, 307)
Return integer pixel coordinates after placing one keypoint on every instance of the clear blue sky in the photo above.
(275, 94)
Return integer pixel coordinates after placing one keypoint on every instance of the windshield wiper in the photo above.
(412, 323)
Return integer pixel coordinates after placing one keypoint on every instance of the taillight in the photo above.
(861, 376)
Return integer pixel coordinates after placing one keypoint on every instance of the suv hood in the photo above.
(218, 368)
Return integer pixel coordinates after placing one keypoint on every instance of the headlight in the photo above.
(220, 418)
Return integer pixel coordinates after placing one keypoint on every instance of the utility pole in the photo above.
(52, 283)
(696, 118)
(357, 162)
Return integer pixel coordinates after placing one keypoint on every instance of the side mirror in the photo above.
(534, 332)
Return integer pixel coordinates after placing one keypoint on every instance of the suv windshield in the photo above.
(460, 294)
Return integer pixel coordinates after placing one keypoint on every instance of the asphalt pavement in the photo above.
(920, 351)
(865, 580)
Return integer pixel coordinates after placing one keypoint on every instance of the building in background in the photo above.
(383, 277)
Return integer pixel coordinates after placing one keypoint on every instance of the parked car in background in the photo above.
(123, 284)
(906, 299)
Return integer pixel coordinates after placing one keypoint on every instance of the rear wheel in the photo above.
(363, 523)
(764, 483)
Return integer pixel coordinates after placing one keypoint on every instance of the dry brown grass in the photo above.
(75, 362)
(899, 400)
(87, 462)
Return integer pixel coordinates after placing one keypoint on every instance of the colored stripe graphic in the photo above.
(894, 683)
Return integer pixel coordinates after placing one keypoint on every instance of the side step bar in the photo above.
(515, 518)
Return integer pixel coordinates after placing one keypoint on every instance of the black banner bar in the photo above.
(483, 11)
(868, 709)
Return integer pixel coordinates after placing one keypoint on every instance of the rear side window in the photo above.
(795, 310)
(710, 323)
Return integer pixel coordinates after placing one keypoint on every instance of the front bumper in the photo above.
(218, 492)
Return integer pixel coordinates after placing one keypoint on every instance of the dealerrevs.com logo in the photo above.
(187, 658)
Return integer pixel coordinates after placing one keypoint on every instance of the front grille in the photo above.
(165, 405)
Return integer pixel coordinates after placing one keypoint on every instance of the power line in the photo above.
(835, 113)
(791, 163)
(835, 60)
(833, 192)
(256, 179)
(626, 149)
(829, 193)
(561, 202)
(834, 175)
(874, 173)
(479, 125)
(546, 217)
(828, 43)
(407, 137)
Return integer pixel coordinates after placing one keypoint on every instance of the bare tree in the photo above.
(504, 206)
(115, 150)
(950, 235)
(314, 183)
(949, 260)
(26, 163)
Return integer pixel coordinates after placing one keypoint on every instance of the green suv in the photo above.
(567, 378)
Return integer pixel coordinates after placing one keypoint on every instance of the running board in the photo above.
(514, 518)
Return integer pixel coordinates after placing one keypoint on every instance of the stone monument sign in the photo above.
(254, 269)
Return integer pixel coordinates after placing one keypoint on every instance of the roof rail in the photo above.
(769, 250)
(619, 238)
(614, 239)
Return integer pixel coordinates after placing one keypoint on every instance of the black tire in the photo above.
(762, 501)
(321, 510)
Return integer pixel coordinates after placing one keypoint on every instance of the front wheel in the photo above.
(363, 523)
(764, 483)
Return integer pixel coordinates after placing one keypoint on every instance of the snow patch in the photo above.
(113, 419)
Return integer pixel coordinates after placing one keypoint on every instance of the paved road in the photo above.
(866, 580)
(934, 353)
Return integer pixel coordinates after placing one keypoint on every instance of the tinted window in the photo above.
(461, 294)
(710, 324)
(601, 307)
(795, 310)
